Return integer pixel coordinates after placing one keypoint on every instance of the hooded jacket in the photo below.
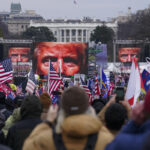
(30, 111)
(74, 129)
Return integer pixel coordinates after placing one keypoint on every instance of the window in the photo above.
(73, 32)
(62, 32)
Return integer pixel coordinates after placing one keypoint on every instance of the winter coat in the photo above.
(20, 131)
(11, 120)
(74, 129)
(132, 137)
(30, 111)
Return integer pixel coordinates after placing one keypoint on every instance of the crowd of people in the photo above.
(34, 122)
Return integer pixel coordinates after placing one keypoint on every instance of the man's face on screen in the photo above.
(63, 57)
(127, 54)
(19, 54)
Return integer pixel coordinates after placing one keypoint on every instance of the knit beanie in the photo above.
(45, 100)
(74, 100)
(147, 102)
(31, 107)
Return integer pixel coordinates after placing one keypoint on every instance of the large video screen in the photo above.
(67, 58)
(19, 54)
(20, 57)
(126, 55)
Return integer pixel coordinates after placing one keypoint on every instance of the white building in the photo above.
(73, 30)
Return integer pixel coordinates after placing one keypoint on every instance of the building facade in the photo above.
(18, 21)
(73, 30)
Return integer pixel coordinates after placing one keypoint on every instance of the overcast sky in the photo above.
(100, 9)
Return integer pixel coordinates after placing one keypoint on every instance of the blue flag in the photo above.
(103, 80)
(146, 79)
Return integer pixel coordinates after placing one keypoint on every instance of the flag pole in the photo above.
(100, 74)
(49, 76)
(60, 68)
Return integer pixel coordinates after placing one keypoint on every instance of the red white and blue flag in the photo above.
(31, 83)
(6, 72)
(97, 89)
(85, 87)
(54, 80)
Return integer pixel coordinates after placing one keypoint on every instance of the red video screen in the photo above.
(127, 54)
(20, 57)
(19, 54)
(67, 58)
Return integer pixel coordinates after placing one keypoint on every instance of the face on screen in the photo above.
(127, 54)
(65, 57)
(19, 54)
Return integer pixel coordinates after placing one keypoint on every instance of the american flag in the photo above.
(31, 83)
(97, 89)
(85, 87)
(6, 73)
(54, 80)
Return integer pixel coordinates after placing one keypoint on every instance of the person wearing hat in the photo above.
(30, 112)
(77, 126)
(134, 134)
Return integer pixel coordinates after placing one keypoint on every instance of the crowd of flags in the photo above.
(138, 83)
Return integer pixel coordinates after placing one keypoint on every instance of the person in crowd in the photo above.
(98, 104)
(19, 54)
(77, 126)
(134, 134)
(67, 58)
(4, 112)
(46, 102)
(16, 116)
(30, 111)
(115, 117)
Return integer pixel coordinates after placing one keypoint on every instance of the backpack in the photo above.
(58, 141)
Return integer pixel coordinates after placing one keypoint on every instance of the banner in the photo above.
(101, 55)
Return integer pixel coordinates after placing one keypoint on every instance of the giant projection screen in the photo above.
(67, 58)
(127, 54)
(20, 58)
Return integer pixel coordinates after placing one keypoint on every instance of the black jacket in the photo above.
(20, 131)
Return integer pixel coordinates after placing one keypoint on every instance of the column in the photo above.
(76, 35)
(70, 35)
(59, 35)
(86, 36)
(81, 35)
(65, 35)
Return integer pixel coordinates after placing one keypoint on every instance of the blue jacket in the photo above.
(132, 137)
